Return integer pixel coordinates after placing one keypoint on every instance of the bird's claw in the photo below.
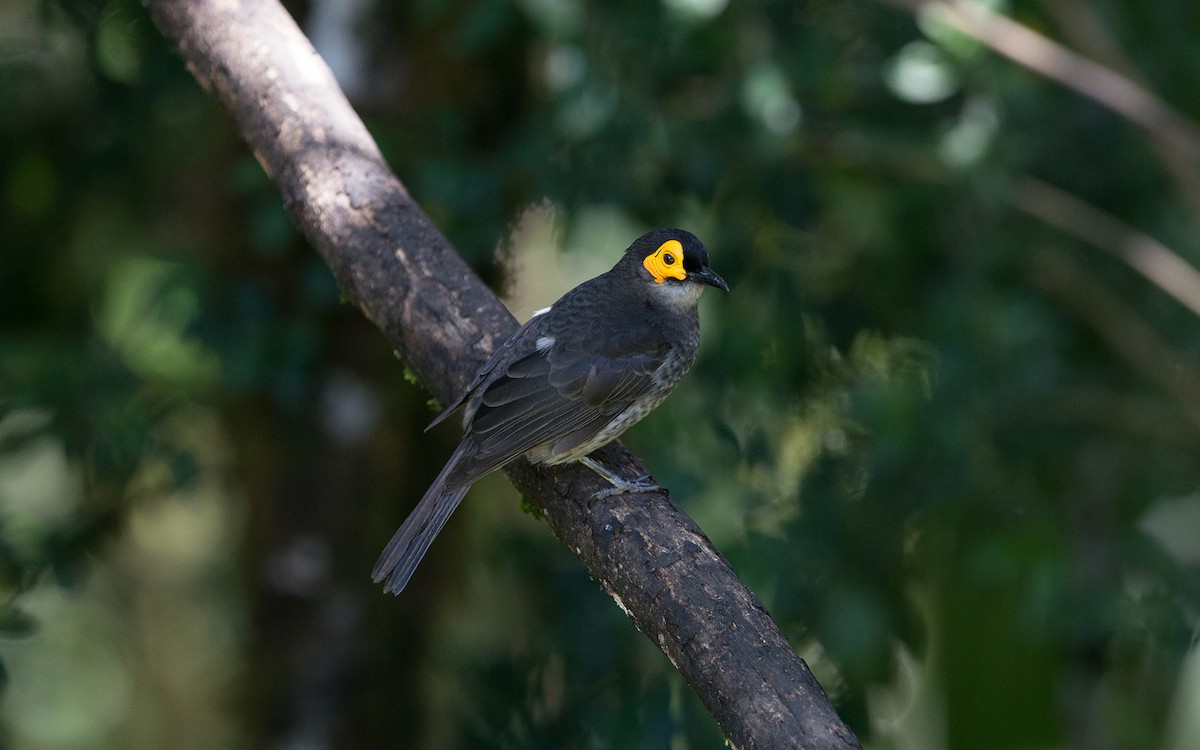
(641, 484)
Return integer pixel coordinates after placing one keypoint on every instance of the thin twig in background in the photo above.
(1026, 47)
(1149, 257)
(1082, 27)
(1120, 327)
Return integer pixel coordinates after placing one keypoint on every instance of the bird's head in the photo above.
(673, 264)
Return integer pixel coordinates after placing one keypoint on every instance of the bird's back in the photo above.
(576, 377)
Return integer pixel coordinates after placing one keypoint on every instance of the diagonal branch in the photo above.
(1102, 85)
(1081, 24)
(392, 262)
(1160, 264)
(1143, 348)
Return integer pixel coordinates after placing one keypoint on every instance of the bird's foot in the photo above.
(641, 484)
(620, 485)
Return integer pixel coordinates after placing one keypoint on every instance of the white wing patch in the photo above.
(540, 312)
(544, 343)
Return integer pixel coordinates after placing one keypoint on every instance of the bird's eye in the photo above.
(666, 262)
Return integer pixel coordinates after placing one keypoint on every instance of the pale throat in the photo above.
(680, 296)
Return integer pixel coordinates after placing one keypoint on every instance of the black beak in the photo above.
(707, 276)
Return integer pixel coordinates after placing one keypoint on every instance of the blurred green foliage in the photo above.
(952, 446)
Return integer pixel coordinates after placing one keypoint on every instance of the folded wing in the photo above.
(559, 394)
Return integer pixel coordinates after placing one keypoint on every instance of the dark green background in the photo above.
(951, 446)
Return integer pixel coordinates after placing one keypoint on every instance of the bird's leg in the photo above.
(620, 486)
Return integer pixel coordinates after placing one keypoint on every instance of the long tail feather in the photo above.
(412, 540)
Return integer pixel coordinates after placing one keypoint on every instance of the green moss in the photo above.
(527, 506)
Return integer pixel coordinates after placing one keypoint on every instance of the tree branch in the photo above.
(1128, 335)
(1042, 55)
(392, 261)
(1081, 24)
(1161, 265)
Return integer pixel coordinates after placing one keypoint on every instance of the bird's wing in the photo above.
(563, 394)
(483, 373)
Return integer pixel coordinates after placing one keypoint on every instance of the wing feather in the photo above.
(559, 395)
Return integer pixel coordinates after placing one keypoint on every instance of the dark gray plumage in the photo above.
(571, 380)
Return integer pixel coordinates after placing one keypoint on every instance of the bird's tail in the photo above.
(408, 546)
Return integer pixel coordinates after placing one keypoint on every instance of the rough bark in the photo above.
(392, 262)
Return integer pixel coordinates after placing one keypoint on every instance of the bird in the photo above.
(569, 381)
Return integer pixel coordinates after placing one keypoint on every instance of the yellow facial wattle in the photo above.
(666, 262)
